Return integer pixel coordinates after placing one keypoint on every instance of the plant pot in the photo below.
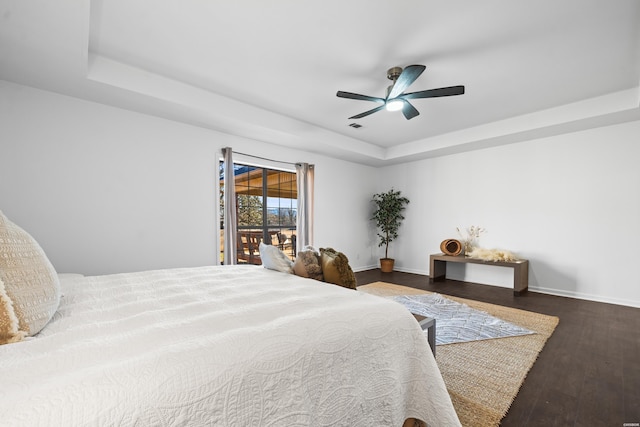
(386, 265)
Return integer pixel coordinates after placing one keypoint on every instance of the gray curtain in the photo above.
(230, 216)
(304, 180)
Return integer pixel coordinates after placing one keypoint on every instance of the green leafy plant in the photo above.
(388, 216)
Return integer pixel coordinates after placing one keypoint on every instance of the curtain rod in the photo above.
(264, 158)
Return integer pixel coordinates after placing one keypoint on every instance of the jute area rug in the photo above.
(483, 377)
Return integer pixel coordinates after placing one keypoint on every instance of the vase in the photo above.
(451, 247)
(467, 247)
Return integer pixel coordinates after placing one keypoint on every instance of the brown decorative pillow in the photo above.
(307, 264)
(29, 286)
(336, 269)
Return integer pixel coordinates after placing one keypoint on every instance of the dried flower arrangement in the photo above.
(470, 237)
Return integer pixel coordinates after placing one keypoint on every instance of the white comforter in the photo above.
(221, 346)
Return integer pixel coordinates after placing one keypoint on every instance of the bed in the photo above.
(223, 345)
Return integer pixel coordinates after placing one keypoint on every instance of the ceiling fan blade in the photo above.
(408, 76)
(409, 110)
(366, 113)
(434, 93)
(359, 97)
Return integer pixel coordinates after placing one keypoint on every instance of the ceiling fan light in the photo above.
(394, 105)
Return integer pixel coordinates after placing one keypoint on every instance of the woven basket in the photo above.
(451, 247)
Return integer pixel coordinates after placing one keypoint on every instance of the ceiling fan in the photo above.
(396, 99)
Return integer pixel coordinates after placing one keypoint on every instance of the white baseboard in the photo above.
(412, 271)
(583, 296)
(402, 270)
(365, 268)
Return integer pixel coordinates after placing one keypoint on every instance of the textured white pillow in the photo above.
(29, 285)
(274, 259)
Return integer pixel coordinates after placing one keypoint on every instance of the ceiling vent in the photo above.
(355, 125)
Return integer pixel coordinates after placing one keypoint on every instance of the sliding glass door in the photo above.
(266, 203)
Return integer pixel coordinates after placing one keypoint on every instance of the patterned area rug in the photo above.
(457, 322)
(483, 377)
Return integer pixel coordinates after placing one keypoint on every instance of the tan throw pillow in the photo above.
(336, 269)
(30, 292)
(307, 264)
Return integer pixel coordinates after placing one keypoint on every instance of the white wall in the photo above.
(570, 204)
(105, 190)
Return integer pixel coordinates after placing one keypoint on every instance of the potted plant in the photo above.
(388, 217)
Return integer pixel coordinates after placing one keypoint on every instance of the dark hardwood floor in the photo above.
(588, 373)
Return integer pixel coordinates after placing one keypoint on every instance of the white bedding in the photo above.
(221, 346)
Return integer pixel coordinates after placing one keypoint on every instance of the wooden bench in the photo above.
(438, 269)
